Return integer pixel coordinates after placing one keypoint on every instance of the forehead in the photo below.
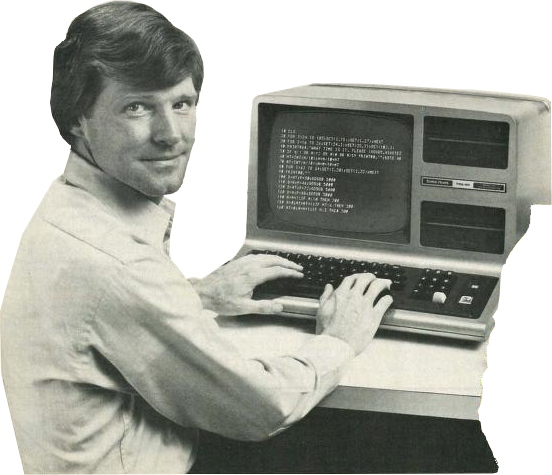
(115, 92)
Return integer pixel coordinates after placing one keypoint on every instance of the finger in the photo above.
(266, 260)
(375, 288)
(270, 273)
(383, 304)
(326, 294)
(362, 281)
(263, 307)
(346, 284)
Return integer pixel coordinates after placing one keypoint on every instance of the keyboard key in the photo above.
(439, 297)
(397, 285)
(466, 300)
(419, 294)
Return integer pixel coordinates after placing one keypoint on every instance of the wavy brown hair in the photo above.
(129, 42)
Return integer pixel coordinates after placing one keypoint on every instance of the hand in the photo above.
(348, 313)
(228, 290)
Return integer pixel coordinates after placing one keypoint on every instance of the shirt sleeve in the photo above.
(150, 324)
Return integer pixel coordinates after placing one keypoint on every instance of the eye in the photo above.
(182, 105)
(135, 109)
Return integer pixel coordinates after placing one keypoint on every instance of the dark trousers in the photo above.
(343, 441)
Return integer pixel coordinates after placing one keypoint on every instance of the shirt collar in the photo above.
(148, 221)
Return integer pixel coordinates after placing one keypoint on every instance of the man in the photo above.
(111, 358)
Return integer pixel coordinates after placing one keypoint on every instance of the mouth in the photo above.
(164, 158)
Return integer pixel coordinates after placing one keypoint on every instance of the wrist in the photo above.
(202, 292)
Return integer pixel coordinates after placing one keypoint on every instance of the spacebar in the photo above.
(293, 290)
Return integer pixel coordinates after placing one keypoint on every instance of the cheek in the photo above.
(192, 125)
(112, 136)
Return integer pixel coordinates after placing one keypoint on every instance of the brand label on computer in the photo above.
(463, 184)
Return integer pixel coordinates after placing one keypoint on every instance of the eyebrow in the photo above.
(151, 96)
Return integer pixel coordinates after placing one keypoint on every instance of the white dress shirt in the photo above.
(110, 363)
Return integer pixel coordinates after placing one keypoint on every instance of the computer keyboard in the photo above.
(428, 290)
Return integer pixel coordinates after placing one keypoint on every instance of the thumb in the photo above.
(326, 294)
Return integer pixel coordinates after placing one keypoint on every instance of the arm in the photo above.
(172, 352)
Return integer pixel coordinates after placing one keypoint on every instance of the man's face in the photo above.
(142, 139)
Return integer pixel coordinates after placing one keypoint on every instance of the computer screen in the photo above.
(335, 172)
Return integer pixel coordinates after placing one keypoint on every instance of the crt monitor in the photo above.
(421, 179)
(342, 173)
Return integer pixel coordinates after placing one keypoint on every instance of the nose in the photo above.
(166, 130)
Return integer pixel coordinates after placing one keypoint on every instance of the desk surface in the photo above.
(398, 372)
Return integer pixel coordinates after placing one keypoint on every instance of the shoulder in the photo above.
(77, 245)
(70, 222)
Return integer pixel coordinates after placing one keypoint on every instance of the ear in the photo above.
(78, 129)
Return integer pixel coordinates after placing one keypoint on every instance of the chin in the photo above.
(158, 190)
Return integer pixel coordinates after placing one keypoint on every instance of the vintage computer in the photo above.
(429, 188)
